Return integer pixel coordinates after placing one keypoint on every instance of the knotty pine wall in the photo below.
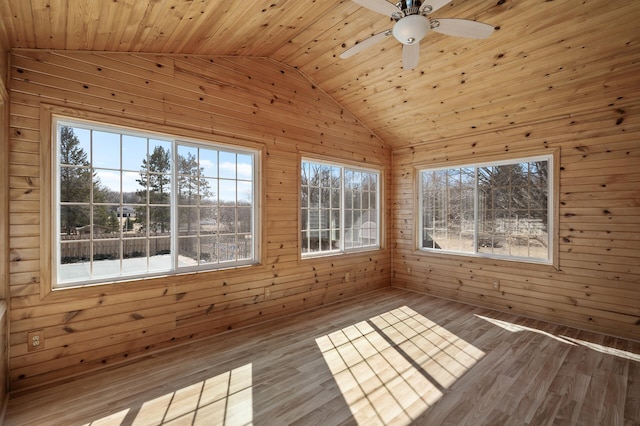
(259, 101)
(4, 219)
(596, 285)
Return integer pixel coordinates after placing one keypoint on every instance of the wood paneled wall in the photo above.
(596, 285)
(256, 100)
(4, 218)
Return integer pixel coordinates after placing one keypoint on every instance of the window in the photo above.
(340, 208)
(129, 204)
(501, 210)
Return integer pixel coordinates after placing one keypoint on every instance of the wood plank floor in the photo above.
(387, 357)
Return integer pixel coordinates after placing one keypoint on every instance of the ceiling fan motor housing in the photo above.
(411, 29)
(409, 7)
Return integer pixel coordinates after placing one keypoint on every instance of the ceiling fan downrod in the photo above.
(411, 7)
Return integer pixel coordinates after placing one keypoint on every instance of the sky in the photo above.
(110, 154)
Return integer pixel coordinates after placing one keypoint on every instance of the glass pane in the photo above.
(75, 185)
(245, 167)
(369, 232)
(188, 160)
(208, 220)
(106, 259)
(227, 218)
(314, 197)
(75, 220)
(245, 193)
(106, 150)
(74, 146)
(130, 184)
(325, 200)
(208, 191)
(324, 219)
(245, 247)
(74, 250)
(208, 162)
(336, 177)
(188, 251)
(159, 220)
(227, 192)
(305, 242)
(227, 248)
(106, 223)
(106, 185)
(188, 190)
(357, 199)
(127, 217)
(208, 250)
(74, 261)
(188, 221)
(227, 165)
(159, 156)
(245, 224)
(335, 218)
(134, 248)
(134, 253)
(134, 152)
(335, 198)
(160, 254)
(159, 188)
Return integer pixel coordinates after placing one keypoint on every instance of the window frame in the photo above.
(514, 158)
(131, 128)
(342, 250)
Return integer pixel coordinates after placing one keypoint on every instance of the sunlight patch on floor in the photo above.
(393, 367)
(515, 328)
(226, 399)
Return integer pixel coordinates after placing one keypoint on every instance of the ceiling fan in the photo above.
(413, 23)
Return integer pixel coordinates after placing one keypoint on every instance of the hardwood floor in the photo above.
(387, 357)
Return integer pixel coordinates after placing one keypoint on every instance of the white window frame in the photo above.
(550, 258)
(341, 249)
(173, 267)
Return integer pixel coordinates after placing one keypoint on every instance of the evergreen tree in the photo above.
(191, 186)
(75, 182)
(156, 181)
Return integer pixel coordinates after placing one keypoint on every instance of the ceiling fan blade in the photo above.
(434, 4)
(410, 55)
(380, 6)
(365, 44)
(462, 28)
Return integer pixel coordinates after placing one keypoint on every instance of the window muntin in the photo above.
(339, 208)
(129, 204)
(502, 209)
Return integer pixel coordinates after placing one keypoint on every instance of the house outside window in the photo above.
(340, 208)
(131, 204)
(499, 210)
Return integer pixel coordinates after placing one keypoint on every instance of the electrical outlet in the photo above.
(409, 270)
(267, 293)
(35, 340)
(496, 284)
(346, 277)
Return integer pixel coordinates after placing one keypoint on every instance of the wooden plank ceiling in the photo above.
(546, 59)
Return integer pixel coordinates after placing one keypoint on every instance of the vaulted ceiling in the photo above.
(546, 58)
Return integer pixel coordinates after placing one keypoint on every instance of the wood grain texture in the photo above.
(385, 357)
(595, 283)
(555, 75)
(256, 102)
(545, 60)
(4, 219)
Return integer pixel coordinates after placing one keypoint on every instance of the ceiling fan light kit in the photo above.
(411, 29)
(412, 25)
